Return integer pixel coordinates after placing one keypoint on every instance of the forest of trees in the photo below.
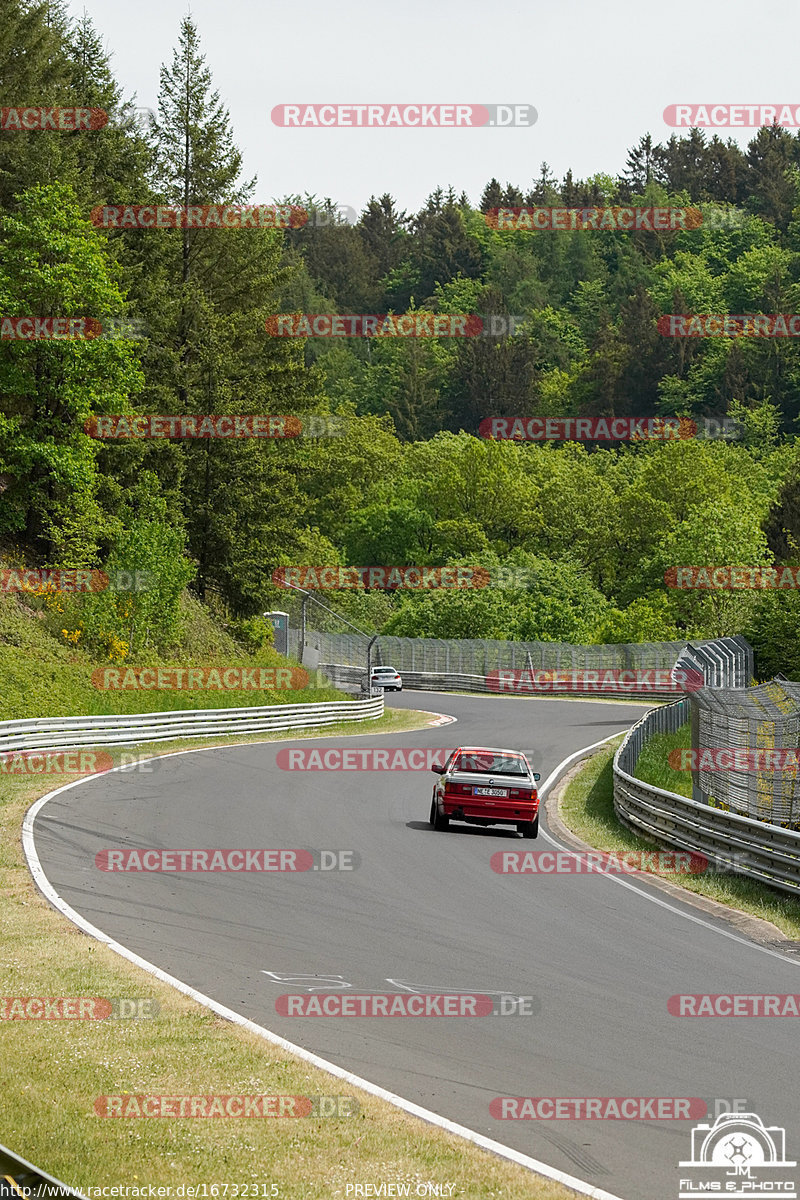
(596, 527)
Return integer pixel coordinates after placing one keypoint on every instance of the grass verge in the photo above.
(653, 766)
(44, 676)
(587, 808)
(51, 1072)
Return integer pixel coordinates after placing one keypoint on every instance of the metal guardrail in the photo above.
(342, 675)
(18, 1178)
(757, 849)
(61, 733)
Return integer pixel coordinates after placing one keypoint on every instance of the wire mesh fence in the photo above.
(312, 622)
(761, 725)
(724, 661)
(761, 850)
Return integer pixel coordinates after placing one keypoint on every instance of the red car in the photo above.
(486, 786)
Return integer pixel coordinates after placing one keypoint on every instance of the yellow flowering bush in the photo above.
(116, 648)
(53, 600)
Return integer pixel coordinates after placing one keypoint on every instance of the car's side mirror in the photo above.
(536, 776)
(438, 768)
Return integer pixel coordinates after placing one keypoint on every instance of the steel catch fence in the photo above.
(760, 850)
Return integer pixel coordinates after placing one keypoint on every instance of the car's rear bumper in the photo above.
(503, 810)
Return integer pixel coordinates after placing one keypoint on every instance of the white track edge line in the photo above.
(644, 892)
(432, 1118)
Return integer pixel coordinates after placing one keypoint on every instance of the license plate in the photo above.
(490, 791)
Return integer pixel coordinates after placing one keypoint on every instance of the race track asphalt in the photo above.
(424, 910)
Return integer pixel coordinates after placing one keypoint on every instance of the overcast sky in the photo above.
(599, 74)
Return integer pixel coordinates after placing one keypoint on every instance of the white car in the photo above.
(386, 678)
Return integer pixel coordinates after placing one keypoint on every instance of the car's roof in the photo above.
(491, 750)
(385, 669)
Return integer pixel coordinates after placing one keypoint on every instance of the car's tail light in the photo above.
(457, 789)
(520, 794)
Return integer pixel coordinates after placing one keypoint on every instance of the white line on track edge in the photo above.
(644, 892)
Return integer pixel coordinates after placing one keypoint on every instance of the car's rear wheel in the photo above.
(437, 819)
(529, 829)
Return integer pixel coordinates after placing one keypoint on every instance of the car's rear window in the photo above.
(484, 762)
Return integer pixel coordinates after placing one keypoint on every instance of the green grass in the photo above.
(587, 808)
(42, 676)
(653, 766)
